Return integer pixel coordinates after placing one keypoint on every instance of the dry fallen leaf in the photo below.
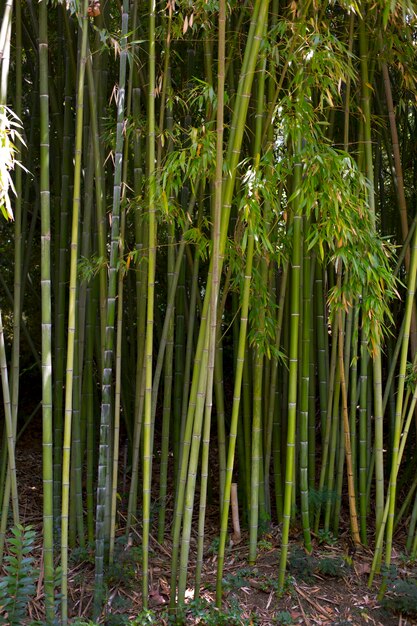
(362, 568)
(155, 598)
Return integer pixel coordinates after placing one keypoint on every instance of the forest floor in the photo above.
(329, 587)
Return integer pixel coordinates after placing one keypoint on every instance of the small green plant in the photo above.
(125, 563)
(237, 580)
(264, 545)
(301, 565)
(117, 619)
(208, 615)
(327, 537)
(122, 604)
(333, 566)
(407, 560)
(283, 618)
(145, 617)
(82, 554)
(214, 546)
(18, 583)
(318, 499)
(401, 597)
(121, 571)
(267, 583)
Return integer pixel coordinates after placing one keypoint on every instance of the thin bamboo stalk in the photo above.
(390, 501)
(11, 436)
(147, 420)
(47, 428)
(235, 416)
(293, 369)
(215, 280)
(66, 457)
(61, 288)
(304, 402)
(348, 451)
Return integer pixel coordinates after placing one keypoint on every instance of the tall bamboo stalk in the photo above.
(66, 456)
(235, 415)
(47, 428)
(215, 280)
(104, 469)
(147, 419)
(293, 370)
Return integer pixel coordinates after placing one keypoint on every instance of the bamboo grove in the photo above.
(209, 261)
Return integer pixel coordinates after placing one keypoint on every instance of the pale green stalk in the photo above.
(88, 409)
(184, 369)
(353, 391)
(71, 318)
(257, 501)
(17, 290)
(147, 419)
(192, 473)
(61, 288)
(11, 437)
(398, 436)
(76, 489)
(363, 465)
(400, 451)
(346, 429)
(215, 280)
(334, 449)
(99, 185)
(182, 360)
(277, 431)
(234, 418)
(47, 427)
(5, 39)
(220, 411)
(376, 360)
(312, 388)
(293, 370)
(272, 404)
(169, 358)
(256, 454)
(167, 407)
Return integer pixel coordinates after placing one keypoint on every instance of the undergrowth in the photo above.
(303, 566)
(401, 595)
(208, 615)
(17, 585)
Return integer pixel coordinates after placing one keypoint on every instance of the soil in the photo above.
(329, 587)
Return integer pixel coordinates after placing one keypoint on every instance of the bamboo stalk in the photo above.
(105, 446)
(47, 428)
(69, 381)
(147, 420)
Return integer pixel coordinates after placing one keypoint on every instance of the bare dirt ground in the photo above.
(330, 587)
